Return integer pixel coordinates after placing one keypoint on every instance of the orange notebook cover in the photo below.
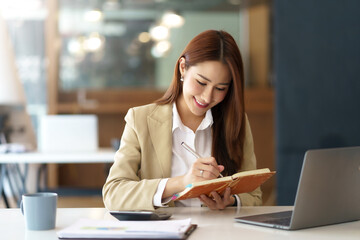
(241, 182)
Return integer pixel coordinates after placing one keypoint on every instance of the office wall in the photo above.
(317, 79)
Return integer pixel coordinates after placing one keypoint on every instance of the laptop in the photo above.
(328, 192)
(68, 133)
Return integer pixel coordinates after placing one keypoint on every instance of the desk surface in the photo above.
(211, 224)
(105, 155)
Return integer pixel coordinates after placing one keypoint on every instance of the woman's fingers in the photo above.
(209, 168)
(207, 171)
(202, 169)
(208, 161)
(217, 202)
(208, 202)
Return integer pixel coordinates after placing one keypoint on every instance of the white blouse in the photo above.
(182, 160)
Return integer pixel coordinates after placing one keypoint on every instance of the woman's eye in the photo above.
(220, 89)
(202, 84)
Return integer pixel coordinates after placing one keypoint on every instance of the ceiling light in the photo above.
(160, 49)
(159, 33)
(94, 42)
(144, 37)
(171, 19)
(93, 16)
(75, 47)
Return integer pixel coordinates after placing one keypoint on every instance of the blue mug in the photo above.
(39, 210)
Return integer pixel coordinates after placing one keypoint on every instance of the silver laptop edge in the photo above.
(328, 191)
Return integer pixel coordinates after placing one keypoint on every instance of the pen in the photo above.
(192, 151)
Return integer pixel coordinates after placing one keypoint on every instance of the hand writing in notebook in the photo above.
(201, 171)
(207, 166)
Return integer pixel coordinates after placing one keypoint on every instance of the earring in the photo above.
(181, 79)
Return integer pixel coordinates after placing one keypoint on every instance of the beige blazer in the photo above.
(144, 158)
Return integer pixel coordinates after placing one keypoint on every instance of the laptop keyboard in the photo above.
(279, 221)
(277, 218)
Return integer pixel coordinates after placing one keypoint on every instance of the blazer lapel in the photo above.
(160, 128)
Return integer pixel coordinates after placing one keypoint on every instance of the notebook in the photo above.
(114, 229)
(328, 192)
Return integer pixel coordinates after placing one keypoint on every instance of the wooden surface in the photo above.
(109, 101)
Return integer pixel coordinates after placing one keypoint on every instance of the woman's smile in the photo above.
(205, 85)
(199, 104)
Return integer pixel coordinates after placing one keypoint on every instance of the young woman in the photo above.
(203, 107)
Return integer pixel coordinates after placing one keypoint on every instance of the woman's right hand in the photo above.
(203, 169)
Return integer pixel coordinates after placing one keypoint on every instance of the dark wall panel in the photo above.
(317, 79)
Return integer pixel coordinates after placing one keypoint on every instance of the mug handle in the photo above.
(22, 207)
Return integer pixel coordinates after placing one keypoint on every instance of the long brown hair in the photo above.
(229, 115)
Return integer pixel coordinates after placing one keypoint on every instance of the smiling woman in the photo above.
(200, 93)
(213, 54)
(204, 108)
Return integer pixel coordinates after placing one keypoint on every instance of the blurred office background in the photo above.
(104, 56)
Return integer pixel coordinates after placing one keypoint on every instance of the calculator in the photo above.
(140, 215)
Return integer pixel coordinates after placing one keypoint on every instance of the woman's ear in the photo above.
(182, 66)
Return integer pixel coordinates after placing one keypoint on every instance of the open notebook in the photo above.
(328, 192)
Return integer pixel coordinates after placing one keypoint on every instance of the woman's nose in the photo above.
(207, 94)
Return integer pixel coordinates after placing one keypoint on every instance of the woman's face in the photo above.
(205, 85)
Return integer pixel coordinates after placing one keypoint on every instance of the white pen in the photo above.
(192, 151)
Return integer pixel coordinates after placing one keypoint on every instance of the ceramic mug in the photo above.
(39, 210)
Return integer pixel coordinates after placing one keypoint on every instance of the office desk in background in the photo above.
(211, 224)
(105, 155)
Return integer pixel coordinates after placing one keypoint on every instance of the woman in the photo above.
(203, 107)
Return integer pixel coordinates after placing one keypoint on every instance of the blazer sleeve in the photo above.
(124, 189)
(253, 198)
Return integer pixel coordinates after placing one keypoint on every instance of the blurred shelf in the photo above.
(256, 100)
(110, 101)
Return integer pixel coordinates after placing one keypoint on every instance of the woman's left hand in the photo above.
(218, 202)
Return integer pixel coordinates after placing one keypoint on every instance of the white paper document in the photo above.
(114, 229)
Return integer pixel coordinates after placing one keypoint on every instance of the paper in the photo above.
(91, 228)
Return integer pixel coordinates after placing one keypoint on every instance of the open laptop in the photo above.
(68, 133)
(328, 192)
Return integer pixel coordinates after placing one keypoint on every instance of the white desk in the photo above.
(105, 155)
(211, 225)
(100, 156)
